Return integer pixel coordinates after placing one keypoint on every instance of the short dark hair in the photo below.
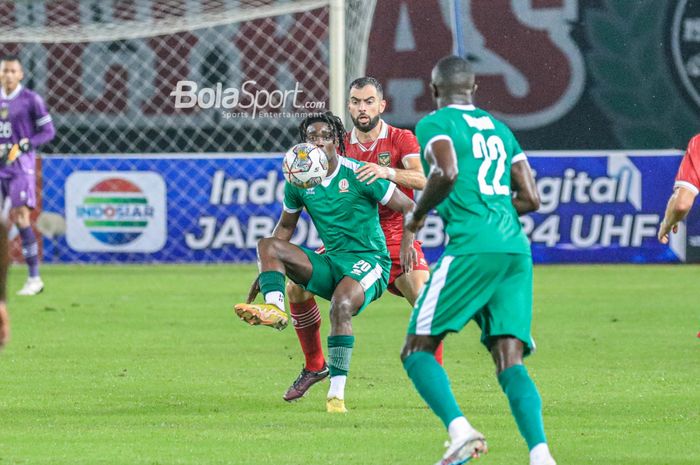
(11, 58)
(455, 72)
(363, 81)
(335, 123)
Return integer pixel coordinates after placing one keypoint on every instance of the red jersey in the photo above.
(689, 172)
(391, 149)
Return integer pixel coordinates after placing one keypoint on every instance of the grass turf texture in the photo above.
(148, 365)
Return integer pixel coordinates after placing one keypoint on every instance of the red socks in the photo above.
(307, 323)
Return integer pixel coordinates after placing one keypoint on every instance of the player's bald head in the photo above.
(453, 75)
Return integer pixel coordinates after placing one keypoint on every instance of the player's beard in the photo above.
(368, 126)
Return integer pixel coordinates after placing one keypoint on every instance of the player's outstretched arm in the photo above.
(412, 177)
(45, 130)
(526, 198)
(286, 225)
(678, 207)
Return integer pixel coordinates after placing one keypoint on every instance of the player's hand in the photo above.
(9, 153)
(664, 231)
(371, 172)
(4, 325)
(411, 224)
(24, 145)
(254, 291)
(408, 254)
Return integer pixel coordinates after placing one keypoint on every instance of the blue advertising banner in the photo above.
(174, 208)
(602, 207)
(596, 208)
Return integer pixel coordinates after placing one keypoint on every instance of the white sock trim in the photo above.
(275, 298)
(459, 427)
(337, 388)
(540, 453)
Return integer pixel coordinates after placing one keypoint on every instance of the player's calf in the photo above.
(347, 300)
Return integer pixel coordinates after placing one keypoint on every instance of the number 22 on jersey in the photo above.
(488, 150)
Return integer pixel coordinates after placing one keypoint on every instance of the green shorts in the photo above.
(493, 289)
(370, 270)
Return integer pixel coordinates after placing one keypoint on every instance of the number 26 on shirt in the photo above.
(5, 129)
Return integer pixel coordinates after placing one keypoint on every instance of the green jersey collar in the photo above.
(327, 182)
(463, 107)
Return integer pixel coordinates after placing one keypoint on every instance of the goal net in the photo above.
(153, 76)
(135, 77)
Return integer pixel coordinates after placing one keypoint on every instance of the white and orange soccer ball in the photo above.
(305, 165)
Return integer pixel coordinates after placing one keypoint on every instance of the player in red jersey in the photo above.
(685, 189)
(392, 154)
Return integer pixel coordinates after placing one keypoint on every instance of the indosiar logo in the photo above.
(115, 211)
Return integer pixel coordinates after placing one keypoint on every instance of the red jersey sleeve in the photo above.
(689, 172)
(406, 146)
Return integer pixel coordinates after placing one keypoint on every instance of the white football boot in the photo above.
(462, 450)
(32, 286)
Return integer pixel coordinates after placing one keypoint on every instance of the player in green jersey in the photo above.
(352, 272)
(479, 182)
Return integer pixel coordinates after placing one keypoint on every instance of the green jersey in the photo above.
(478, 214)
(343, 209)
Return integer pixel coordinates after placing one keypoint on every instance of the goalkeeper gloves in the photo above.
(24, 145)
(10, 152)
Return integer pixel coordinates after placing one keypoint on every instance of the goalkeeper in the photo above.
(353, 272)
(24, 124)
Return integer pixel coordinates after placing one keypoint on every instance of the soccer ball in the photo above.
(305, 165)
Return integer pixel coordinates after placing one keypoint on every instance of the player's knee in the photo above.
(342, 309)
(265, 244)
(411, 284)
(269, 246)
(419, 344)
(21, 216)
(296, 293)
(507, 352)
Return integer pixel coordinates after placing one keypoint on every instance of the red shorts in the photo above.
(396, 271)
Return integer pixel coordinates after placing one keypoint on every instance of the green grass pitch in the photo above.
(147, 365)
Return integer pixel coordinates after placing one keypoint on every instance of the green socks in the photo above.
(525, 403)
(433, 385)
(272, 288)
(339, 353)
(271, 281)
